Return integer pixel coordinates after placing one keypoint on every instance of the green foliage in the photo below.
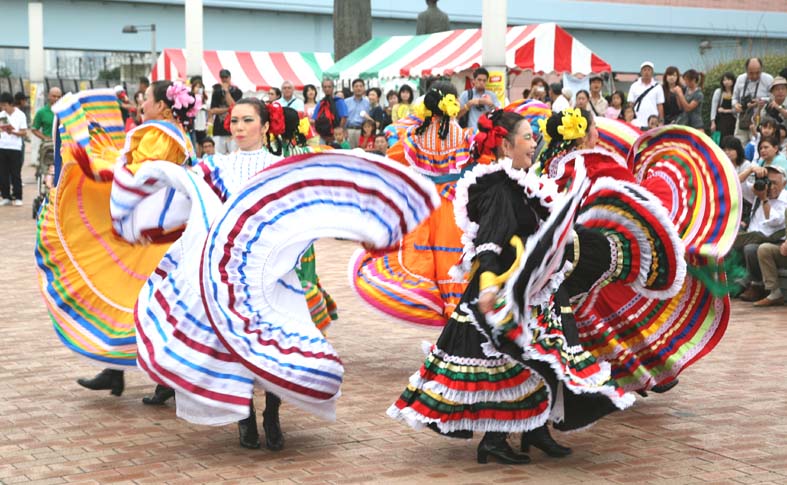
(772, 64)
(5, 72)
(111, 74)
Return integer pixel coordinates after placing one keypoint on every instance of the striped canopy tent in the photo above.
(251, 71)
(541, 48)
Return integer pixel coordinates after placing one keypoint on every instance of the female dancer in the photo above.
(467, 384)
(412, 281)
(90, 279)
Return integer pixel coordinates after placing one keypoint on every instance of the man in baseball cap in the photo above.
(224, 95)
(646, 97)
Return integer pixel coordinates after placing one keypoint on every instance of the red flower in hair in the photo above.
(228, 120)
(489, 137)
(276, 119)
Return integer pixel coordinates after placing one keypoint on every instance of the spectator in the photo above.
(368, 132)
(653, 121)
(646, 97)
(22, 101)
(615, 105)
(777, 104)
(224, 96)
(380, 144)
(537, 91)
(771, 257)
(783, 138)
(201, 120)
(139, 100)
(404, 105)
(582, 100)
(143, 84)
(392, 99)
(627, 114)
(42, 122)
(734, 150)
(559, 100)
(310, 101)
(357, 106)
(13, 129)
(749, 95)
(669, 82)
(767, 225)
(274, 94)
(288, 98)
(208, 147)
(690, 100)
(330, 107)
(722, 114)
(476, 101)
(377, 113)
(768, 128)
(768, 149)
(127, 108)
(598, 105)
(339, 138)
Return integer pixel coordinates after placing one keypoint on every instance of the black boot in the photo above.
(247, 429)
(106, 379)
(662, 388)
(160, 396)
(274, 439)
(541, 439)
(495, 444)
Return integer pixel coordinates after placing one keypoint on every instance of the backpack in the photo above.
(463, 119)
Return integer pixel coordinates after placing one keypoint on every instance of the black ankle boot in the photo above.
(247, 429)
(662, 388)
(106, 379)
(495, 444)
(160, 396)
(274, 439)
(541, 439)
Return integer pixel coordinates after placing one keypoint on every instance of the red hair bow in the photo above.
(276, 118)
(489, 136)
(228, 120)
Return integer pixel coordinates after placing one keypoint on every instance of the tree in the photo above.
(352, 25)
(5, 72)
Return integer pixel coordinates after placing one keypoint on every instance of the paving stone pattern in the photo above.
(725, 423)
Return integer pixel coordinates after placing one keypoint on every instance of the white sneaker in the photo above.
(5, 202)
(18, 203)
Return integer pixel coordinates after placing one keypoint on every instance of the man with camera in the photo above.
(766, 225)
(224, 95)
(476, 101)
(749, 95)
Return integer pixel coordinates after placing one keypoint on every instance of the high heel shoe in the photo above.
(274, 439)
(495, 445)
(541, 439)
(106, 379)
(160, 396)
(247, 430)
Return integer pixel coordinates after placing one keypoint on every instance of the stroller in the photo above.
(45, 174)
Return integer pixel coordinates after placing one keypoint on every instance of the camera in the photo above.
(762, 183)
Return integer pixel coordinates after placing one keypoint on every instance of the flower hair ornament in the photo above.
(182, 98)
(573, 125)
(542, 128)
(420, 110)
(489, 136)
(449, 105)
(304, 126)
(276, 118)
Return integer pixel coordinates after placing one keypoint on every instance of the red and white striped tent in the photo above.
(251, 71)
(541, 48)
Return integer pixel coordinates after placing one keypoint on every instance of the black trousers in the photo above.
(11, 173)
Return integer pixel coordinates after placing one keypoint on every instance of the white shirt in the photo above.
(18, 121)
(650, 103)
(560, 103)
(774, 223)
(293, 103)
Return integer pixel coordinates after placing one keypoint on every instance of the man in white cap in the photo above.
(776, 106)
(646, 96)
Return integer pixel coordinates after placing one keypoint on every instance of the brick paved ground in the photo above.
(725, 423)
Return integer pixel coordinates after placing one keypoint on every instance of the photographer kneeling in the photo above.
(767, 222)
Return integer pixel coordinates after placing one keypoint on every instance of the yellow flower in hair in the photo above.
(303, 126)
(542, 129)
(449, 105)
(573, 125)
(421, 111)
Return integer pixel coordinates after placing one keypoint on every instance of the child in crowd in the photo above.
(627, 113)
(653, 121)
(340, 138)
(368, 131)
(380, 144)
(615, 105)
(768, 127)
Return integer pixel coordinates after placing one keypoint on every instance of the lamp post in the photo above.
(133, 29)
